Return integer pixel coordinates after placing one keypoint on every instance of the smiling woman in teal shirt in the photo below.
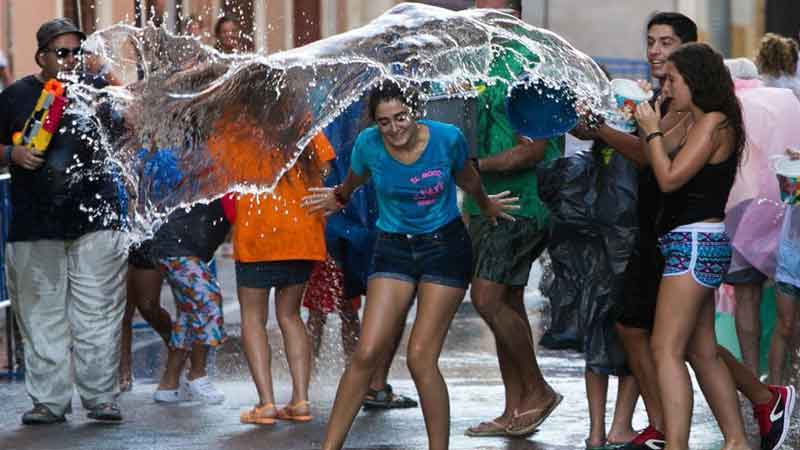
(422, 249)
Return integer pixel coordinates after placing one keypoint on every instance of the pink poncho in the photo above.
(754, 212)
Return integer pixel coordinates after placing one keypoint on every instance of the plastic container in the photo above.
(627, 95)
(788, 172)
(537, 111)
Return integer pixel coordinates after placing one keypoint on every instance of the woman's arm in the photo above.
(492, 206)
(331, 200)
(700, 145)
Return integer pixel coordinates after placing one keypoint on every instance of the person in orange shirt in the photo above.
(276, 242)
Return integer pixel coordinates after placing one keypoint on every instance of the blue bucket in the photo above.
(540, 112)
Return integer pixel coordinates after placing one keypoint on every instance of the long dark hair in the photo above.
(711, 86)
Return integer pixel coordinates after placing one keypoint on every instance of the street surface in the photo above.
(468, 363)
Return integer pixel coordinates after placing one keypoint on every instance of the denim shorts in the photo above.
(787, 273)
(441, 257)
(264, 275)
(702, 249)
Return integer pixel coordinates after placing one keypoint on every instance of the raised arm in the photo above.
(701, 142)
(525, 155)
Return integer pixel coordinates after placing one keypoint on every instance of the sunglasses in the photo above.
(62, 52)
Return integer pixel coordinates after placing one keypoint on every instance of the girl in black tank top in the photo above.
(696, 249)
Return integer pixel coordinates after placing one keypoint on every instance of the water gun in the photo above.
(43, 122)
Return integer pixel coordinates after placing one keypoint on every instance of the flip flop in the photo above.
(254, 416)
(285, 413)
(498, 430)
(529, 429)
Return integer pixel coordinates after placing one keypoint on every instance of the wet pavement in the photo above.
(468, 364)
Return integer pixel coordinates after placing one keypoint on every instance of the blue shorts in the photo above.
(704, 249)
(787, 272)
(442, 257)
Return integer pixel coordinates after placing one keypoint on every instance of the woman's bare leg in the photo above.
(681, 318)
(254, 309)
(714, 377)
(622, 425)
(437, 306)
(387, 303)
(784, 330)
(596, 394)
(295, 340)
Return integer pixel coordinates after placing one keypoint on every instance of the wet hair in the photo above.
(682, 26)
(389, 90)
(222, 21)
(777, 56)
(711, 86)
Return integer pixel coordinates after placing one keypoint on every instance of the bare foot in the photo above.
(496, 427)
(526, 422)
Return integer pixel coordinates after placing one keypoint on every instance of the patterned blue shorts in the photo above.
(704, 249)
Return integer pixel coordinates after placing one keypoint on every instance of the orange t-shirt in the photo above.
(276, 227)
(270, 227)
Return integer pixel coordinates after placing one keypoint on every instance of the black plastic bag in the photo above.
(592, 199)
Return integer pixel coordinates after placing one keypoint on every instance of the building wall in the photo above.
(613, 28)
(603, 29)
(26, 16)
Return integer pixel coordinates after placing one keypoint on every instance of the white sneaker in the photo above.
(167, 396)
(201, 389)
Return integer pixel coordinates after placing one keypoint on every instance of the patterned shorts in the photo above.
(704, 249)
(198, 301)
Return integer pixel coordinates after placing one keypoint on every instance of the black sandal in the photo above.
(387, 399)
(106, 412)
(41, 415)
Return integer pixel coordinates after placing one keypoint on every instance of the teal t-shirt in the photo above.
(413, 198)
(496, 135)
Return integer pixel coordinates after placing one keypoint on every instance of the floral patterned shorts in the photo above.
(198, 299)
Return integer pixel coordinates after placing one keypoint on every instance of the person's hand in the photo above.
(647, 117)
(584, 132)
(645, 85)
(499, 204)
(26, 158)
(321, 199)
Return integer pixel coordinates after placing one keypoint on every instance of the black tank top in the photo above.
(702, 198)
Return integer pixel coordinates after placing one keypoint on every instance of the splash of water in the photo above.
(239, 122)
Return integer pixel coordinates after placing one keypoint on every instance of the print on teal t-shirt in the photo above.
(413, 198)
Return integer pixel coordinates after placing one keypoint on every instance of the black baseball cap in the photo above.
(54, 28)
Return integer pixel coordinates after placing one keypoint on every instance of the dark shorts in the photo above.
(141, 256)
(264, 275)
(750, 275)
(442, 257)
(505, 252)
(788, 290)
(637, 307)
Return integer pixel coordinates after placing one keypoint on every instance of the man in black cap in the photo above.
(65, 256)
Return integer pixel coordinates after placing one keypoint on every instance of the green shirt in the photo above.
(496, 135)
